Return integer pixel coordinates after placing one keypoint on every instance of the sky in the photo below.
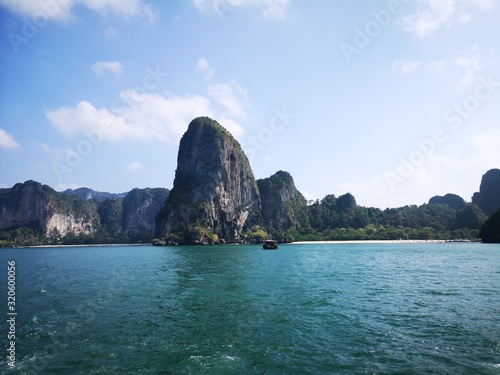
(393, 101)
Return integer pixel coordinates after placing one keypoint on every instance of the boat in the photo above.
(270, 245)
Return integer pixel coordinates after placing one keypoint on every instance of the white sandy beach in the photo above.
(370, 242)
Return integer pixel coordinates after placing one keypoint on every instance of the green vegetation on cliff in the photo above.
(214, 194)
(35, 214)
(331, 221)
(216, 199)
(284, 208)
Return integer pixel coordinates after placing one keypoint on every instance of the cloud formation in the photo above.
(61, 10)
(270, 9)
(433, 15)
(107, 67)
(467, 66)
(135, 166)
(146, 117)
(7, 141)
(231, 96)
(204, 67)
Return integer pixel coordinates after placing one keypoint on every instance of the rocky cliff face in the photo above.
(488, 197)
(140, 208)
(214, 187)
(283, 206)
(40, 207)
(490, 230)
(81, 212)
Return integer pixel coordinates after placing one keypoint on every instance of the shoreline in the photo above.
(331, 242)
(85, 245)
(374, 242)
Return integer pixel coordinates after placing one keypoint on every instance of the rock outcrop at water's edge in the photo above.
(34, 214)
(40, 207)
(490, 230)
(215, 197)
(283, 206)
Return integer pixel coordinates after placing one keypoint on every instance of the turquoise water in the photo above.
(303, 309)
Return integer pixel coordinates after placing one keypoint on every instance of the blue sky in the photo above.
(393, 101)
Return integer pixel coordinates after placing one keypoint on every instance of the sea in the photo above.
(391, 308)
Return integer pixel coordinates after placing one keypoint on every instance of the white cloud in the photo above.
(135, 166)
(151, 116)
(466, 67)
(7, 141)
(270, 9)
(231, 96)
(204, 67)
(85, 118)
(58, 10)
(437, 68)
(469, 63)
(406, 66)
(61, 10)
(104, 67)
(232, 126)
(432, 15)
(142, 117)
(126, 9)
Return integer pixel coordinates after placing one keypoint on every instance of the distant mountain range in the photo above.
(216, 199)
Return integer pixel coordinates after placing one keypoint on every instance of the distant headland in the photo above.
(216, 199)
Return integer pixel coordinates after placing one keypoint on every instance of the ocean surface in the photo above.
(302, 309)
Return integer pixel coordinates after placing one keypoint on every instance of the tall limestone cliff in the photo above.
(215, 195)
(488, 197)
(140, 208)
(40, 207)
(283, 206)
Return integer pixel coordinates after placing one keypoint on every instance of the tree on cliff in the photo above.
(454, 201)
